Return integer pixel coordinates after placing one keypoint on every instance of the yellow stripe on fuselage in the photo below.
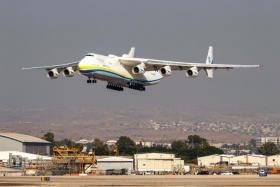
(92, 67)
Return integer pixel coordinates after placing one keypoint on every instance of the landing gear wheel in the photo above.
(114, 87)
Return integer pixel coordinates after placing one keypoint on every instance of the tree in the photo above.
(69, 143)
(126, 146)
(197, 141)
(100, 147)
(49, 136)
(193, 147)
(268, 148)
(179, 147)
(154, 148)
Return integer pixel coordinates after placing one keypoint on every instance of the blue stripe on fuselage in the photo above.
(111, 74)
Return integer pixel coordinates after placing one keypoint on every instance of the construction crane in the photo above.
(74, 161)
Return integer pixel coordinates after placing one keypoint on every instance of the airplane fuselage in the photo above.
(109, 68)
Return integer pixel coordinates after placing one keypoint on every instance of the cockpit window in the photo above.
(90, 54)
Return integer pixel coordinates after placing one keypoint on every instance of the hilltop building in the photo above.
(262, 140)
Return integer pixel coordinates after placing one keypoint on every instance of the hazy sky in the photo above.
(34, 33)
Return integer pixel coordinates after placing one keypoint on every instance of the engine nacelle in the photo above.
(165, 71)
(192, 72)
(68, 72)
(139, 69)
(53, 73)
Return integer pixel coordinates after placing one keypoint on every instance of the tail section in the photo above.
(130, 53)
(209, 60)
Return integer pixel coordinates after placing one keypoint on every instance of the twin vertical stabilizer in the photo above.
(130, 53)
(209, 60)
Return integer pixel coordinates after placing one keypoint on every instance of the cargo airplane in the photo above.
(134, 73)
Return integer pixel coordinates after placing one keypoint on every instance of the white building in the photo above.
(262, 140)
(20, 159)
(145, 143)
(212, 160)
(111, 142)
(157, 162)
(254, 160)
(167, 145)
(114, 162)
(243, 160)
(151, 144)
(273, 160)
(84, 141)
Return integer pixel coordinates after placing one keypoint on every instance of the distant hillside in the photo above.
(154, 124)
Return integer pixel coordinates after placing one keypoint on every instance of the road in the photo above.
(193, 181)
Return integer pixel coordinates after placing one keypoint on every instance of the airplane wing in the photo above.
(74, 65)
(179, 65)
(208, 67)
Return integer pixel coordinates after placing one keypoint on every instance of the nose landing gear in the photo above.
(91, 81)
(136, 86)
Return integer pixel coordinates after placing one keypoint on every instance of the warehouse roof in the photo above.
(114, 159)
(23, 138)
(155, 156)
(217, 155)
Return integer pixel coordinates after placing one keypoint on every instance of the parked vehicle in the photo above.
(227, 173)
(202, 173)
(236, 173)
(262, 173)
(275, 171)
(148, 173)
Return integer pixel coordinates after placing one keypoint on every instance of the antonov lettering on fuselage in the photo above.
(134, 73)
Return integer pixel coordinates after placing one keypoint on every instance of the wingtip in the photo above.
(260, 65)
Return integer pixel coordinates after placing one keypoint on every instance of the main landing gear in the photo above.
(114, 87)
(91, 81)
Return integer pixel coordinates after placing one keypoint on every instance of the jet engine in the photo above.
(68, 72)
(139, 69)
(53, 73)
(192, 72)
(165, 71)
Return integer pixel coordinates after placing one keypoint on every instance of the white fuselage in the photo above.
(109, 68)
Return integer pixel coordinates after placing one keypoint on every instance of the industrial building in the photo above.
(157, 162)
(24, 143)
(273, 160)
(115, 163)
(10, 172)
(254, 160)
(5, 156)
(248, 160)
(212, 160)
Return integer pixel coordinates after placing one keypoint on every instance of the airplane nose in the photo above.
(79, 65)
